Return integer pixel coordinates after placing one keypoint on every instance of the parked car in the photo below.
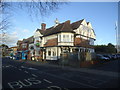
(7, 56)
(108, 56)
(114, 57)
(101, 57)
(118, 56)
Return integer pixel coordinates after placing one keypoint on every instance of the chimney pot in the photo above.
(43, 26)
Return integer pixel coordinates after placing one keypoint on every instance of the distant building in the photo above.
(23, 47)
(13, 50)
(4, 50)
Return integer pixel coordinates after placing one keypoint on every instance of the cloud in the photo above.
(12, 37)
(98, 41)
(14, 33)
(25, 31)
(9, 39)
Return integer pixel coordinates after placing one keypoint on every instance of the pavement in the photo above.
(41, 75)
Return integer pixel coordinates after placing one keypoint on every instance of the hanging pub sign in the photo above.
(37, 43)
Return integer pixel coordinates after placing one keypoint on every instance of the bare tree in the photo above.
(34, 8)
(4, 17)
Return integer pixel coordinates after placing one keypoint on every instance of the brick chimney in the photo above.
(68, 22)
(43, 26)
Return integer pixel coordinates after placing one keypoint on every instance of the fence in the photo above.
(75, 59)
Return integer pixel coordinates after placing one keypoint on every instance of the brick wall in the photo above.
(20, 48)
(82, 43)
(51, 42)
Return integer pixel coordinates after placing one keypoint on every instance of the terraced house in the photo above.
(23, 48)
(66, 37)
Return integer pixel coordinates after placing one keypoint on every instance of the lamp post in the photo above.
(116, 29)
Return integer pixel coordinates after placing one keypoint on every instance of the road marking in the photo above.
(25, 71)
(91, 79)
(20, 69)
(69, 80)
(15, 67)
(102, 82)
(47, 81)
(23, 67)
(11, 66)
(23, 83)
(34, 75)
(54, 87)
(33, 68)
(5, 66)
(14, 84)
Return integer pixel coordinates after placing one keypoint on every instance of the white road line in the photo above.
(34, 75)
(70, 80)
(47, 80)
(102, 82)
(23, 67)
(91, 79)
(6, 66)
(25, 71)
(20, 69)
(33, 68)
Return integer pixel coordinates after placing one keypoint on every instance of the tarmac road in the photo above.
(19, 75)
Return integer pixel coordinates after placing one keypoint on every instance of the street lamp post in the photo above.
(116, 29)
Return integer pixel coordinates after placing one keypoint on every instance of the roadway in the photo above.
(19, 75)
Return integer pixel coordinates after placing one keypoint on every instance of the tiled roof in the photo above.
(19, 41)
(63, 27)
(75, 25)
(28, 40)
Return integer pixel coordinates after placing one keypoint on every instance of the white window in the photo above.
(72, 38)
(24, 45)
(91, 41)
(59, 38)
(63, 37)
(49, 53)
(54, 53)
(66, 38)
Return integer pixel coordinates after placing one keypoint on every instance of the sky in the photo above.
(102, 16)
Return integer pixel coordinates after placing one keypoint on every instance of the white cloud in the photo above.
(17, 34)
(98, 41)
(9, 39)
(25, 31)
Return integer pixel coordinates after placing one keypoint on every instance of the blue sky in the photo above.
(102, 16)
